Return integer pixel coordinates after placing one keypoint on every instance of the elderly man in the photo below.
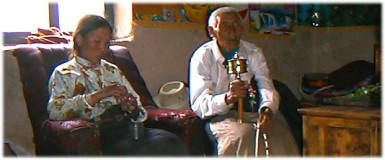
(214, 93)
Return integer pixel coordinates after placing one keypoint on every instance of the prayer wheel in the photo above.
(238, 66)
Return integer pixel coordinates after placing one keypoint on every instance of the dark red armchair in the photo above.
(77, 137)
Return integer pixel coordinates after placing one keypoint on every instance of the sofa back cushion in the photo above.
(36, 63)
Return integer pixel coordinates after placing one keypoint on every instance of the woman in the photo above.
(89, 87)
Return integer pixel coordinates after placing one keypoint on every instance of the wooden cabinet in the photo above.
(341, 131)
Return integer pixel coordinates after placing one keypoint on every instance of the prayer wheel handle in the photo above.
(238, 66)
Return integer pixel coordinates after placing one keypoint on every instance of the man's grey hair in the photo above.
(213, 17)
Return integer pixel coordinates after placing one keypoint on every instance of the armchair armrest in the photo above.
(185, 123)
(169, 117)
(72, 137)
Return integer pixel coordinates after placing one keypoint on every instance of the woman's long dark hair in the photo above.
(85, 25)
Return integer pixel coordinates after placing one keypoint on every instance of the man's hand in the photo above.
(237, 90)
(265, 119)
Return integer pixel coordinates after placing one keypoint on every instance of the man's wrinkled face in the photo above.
(228, 31)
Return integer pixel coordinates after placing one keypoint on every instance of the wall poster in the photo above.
(273, 18)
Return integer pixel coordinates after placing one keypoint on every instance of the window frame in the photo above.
(14, 38)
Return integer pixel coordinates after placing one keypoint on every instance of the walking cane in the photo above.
(237, 66)
(264, 137)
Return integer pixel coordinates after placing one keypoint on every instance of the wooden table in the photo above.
(341, 131)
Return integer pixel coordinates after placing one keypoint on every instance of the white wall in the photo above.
(162, 54)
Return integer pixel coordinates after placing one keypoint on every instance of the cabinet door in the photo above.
(338, 136)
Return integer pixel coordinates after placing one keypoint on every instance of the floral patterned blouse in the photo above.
(73, 80)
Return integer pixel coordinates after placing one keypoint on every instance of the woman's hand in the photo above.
(129, 104)
(115, 90)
